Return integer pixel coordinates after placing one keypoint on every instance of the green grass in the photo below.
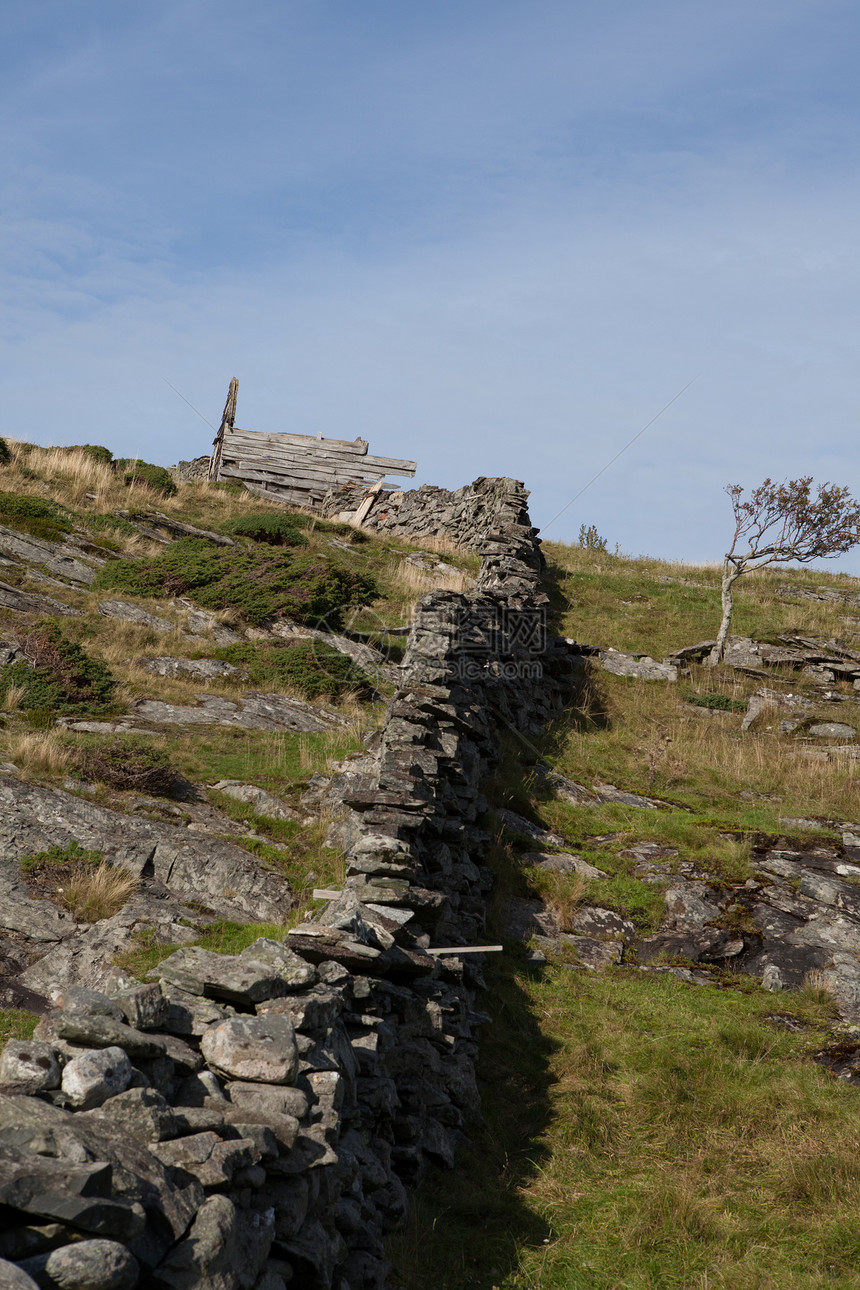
(71, 853)
(15, 1023)
(254, 579)
(648, 1134)
(34, 515)
(278, 761)
(223, 936)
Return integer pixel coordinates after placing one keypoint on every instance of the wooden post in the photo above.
(228, 419)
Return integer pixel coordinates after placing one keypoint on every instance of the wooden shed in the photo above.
(297, 469)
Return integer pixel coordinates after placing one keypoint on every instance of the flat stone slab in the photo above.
(642, 667)
(28, 603)
(243, 979)
(58, 558)
(252, 712)
(204, 668)
(515, 823)
(126, 612)
(191, 865)
(261, 802)
(564, 863)
(832, 730)
(595, 795)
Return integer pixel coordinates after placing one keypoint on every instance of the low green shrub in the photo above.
(259, 584)
(5, 454)
(716, 702)
(129, 764)
(57, 674)
(276, 530)
(34, 515)
(313, 667)
(94, 450)
(143, 472)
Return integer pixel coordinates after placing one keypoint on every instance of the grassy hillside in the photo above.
(284, 567)
(643, 1131)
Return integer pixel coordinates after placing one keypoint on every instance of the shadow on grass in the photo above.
(466, 1227)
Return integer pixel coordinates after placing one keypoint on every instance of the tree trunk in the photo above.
(731, 573)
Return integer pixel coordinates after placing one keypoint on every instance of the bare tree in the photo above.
(781, 522)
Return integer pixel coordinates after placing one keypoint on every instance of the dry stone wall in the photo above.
(489, 516)
(252, 1121)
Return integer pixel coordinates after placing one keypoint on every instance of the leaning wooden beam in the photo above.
(296, 465)
(234, 452)
(284, 497)
(364, 509)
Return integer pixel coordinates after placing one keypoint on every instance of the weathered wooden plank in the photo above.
(300, 469)
(318, 479)
(355, 447)
(370, 464)
(467, 949)
(243, 446)
(389, 466)
(291, 445)
(367, 502)
(284, 497)
(254, 452)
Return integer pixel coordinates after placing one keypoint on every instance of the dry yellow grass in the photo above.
(416, 580)
(39, 752)
(12, 698)
(566, 899)
(72, 475)
(95, 892)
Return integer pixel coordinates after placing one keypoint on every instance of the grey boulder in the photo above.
(13, 1277)
(86, 1265)
(259, 1049)
(30, 1066)
(95, 1076)
(225, 1250)
(261, 802)
(202, 668)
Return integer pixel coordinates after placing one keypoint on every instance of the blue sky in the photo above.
(496, 237)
